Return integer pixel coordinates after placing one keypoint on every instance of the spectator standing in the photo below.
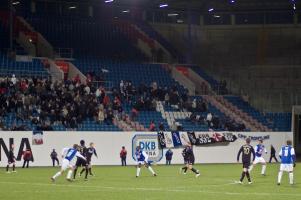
(168, 156)
(27, 156)
(54, 158)
(123, 154)
(209, 119)
(161, 127)
(152, 126)
(13, 79)
(273, 154)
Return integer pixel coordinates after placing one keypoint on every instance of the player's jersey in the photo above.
(90, 152)
(246, 150)
(189, 155)
(141, 156)
(184, 153)
(287, 154)
(11, 156)
(259, 149)
(71, 153)
(83, 151)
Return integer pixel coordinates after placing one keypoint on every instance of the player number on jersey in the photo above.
(246, 150)
(69, 153)
(286, 152)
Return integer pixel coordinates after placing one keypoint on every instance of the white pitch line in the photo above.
(104, 188)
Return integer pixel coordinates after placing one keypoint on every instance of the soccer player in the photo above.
(246, 151)
(288, 161)
(11, 159)
(259, 149)
(189, 159)
(81, 162)
(185, 162)
(142, 159)
(68, 154)
(90, 151)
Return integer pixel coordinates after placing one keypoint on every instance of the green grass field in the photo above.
(215, 182)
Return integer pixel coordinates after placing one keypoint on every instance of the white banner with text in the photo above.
(108, 145)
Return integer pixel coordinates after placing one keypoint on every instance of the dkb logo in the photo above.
(149, 144)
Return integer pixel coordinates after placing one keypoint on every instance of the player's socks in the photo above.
(74, 174)
(81, 172)
(195, 171)
(90, 171)
(291, 177)
(138, 171)
(248, 177)
(14, 166)
(280, 176)
(56, 175)
(87, 171)
(185, 169)
(69, 174)
(7, 167)
(243, 174)
(151, 170)
(263, 169)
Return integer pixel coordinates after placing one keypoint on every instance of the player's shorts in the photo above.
(141, 163)
(287, 167)
(66, 164)
(259, 160)
(190, 161)
(88, 161)
(10, 161)
(80, 162)
(246, 165)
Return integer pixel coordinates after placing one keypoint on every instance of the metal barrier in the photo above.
(63, 52)
(108, 85)
(23, 73)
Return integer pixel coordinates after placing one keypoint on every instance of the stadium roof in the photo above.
(196, 5)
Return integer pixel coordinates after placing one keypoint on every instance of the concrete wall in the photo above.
(73, 72)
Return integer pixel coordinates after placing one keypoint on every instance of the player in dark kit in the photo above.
(189, 159)
(184, 169)
(90, 151)
(11, 159)
(246, 150)
(81, 162)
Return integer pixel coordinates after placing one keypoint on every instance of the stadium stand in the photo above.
(271, 121)
(100, 38)
(106, 53)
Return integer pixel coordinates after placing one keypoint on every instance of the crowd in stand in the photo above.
(45, 103)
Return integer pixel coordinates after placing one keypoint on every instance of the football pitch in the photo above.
(216, 182)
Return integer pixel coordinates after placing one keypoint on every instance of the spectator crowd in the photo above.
(44, 103)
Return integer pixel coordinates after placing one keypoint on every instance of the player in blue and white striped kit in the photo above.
(288, 161)
(259, 149)
(142, 159)
(68, 155)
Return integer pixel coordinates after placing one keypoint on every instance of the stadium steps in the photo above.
(234, 116)
(244, 115)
